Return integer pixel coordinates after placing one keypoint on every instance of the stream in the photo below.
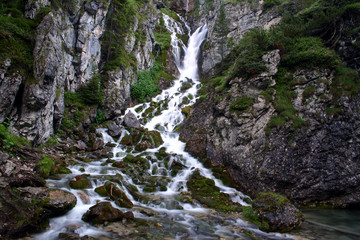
(173, 218)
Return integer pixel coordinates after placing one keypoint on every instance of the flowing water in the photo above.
(174, 218)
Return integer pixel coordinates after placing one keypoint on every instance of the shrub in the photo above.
(46, 165)
(309, 52)
(146, 86)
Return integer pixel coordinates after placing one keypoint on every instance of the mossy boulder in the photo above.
(101, 191)
(204, 190)
(138, 160)
(80, 182)
(112, 191)
(142, 139)
(280, 214)
(102, 212)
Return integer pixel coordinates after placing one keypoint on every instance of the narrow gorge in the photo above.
(189, 119)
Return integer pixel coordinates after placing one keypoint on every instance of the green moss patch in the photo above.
(204, 190)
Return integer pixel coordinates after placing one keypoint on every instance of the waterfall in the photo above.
(188, 221)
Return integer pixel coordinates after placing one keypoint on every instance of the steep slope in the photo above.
(280, 111)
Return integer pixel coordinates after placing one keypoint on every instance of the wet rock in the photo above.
(131, 121)
(102, 212)
(114, 130)
(120, 164)
(59, 201)
(69, 236)
(142, 139)
(84, 197)
(101, 191)
(117, 195)
(80, 182)
(204, 190)
(280, 214)
(98, 144)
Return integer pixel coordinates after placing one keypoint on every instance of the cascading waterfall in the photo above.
(189, 221)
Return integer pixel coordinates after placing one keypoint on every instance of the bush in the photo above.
(46, 165)
(146, 86)
(309, 52)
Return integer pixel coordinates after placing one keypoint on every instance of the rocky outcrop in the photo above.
(9, 89)
(312, 158)
(117, 87)
(227, 22)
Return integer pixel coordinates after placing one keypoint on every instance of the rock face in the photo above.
(314, 163)
(67, 54)
(227, 23)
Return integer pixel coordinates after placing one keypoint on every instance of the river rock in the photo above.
(118, 196)
(131, 121)
(280, 214)
(59, 201)
(114, 130)
(98, 144)
(102, 212)
(80, 182)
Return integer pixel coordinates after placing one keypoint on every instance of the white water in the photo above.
(186, 214)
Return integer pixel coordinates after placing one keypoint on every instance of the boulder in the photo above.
(59, 201)
(118, 196)
(102, 212)
(131, 121)
(278, 212)
(114, 130)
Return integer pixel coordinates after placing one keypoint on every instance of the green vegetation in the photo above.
(16, 37)
(298, 39)
(8, 141)
(146, 86)
(241, 105)
(46, 166)
(120, 18)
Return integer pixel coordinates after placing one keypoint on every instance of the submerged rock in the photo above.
(102, 212)
(276, 210)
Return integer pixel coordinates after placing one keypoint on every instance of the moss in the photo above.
(223, 174)
(333, 111)
(204, 190)
(80, 182)
(46, 166)
(101, 191)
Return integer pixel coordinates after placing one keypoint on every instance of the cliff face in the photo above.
(67, 54)
(284, 127)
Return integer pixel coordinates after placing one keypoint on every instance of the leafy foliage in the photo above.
(46, 165)
(146, 86)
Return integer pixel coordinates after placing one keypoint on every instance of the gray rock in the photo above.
(130, 120)
(9, 88)
(32, 7)
(114, 130)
